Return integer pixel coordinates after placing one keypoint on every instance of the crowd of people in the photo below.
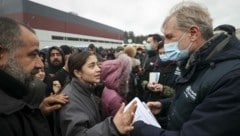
(65, 91)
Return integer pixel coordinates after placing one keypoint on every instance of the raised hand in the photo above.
(124, 120)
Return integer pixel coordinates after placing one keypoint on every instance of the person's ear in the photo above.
(194, 33)
(4, 56)
(77, 73)
(2, 51)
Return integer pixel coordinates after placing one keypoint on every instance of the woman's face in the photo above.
(41, 74)
(56, 86)
(90, 72)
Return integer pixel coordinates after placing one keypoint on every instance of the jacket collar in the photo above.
(11, 86)
(86, 89)
(11, 92)
(198, 61)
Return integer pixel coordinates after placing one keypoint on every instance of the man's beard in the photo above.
(16, 71)
(56, 63)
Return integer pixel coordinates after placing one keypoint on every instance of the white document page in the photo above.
(154, 77)
(143, 113)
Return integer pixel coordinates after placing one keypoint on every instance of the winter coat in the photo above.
(111, 101)
(51, 70)
(115, 75)
(18, 118)
(81, 115)
(207, 100)
(167, 76)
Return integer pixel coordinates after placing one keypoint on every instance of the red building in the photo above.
(55, 27)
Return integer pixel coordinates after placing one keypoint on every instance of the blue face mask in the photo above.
(148, 47)
(173, 53)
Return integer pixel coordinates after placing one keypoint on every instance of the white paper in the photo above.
(154, 77)
(143, 113)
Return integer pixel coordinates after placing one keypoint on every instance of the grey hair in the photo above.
(10, 40)
(190, 13)
(10, 34)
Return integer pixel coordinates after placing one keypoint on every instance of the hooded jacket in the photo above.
(115, 75)
(207, 100)
(18, 118)
(50, 68)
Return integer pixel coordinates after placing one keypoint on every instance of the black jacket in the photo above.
(207, 101)
(16, 117)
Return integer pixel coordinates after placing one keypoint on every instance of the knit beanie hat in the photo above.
(130, 51)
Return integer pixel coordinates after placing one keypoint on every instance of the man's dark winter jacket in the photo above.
(207, 101)
(16, 117)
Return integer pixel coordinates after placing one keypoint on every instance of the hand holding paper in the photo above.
(143, 113)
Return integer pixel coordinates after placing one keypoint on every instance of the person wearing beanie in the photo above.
(131, 52)
(115, 75)
(134, 78)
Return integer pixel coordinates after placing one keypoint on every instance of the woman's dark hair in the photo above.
(77, 60)
(157, 38)
(43, 55)
(161, 44)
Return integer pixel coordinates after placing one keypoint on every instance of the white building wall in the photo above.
(46, 40)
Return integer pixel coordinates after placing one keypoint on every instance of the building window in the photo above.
(72, 39)
(57, 37)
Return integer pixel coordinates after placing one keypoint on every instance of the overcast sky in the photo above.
(142, 16)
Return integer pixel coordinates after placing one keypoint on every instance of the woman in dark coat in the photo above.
(81, 116)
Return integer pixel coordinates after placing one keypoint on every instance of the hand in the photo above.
(155, 107)
(158, 87)
(52, 103)
(155, 87)
(150, 86)
(124, 120)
